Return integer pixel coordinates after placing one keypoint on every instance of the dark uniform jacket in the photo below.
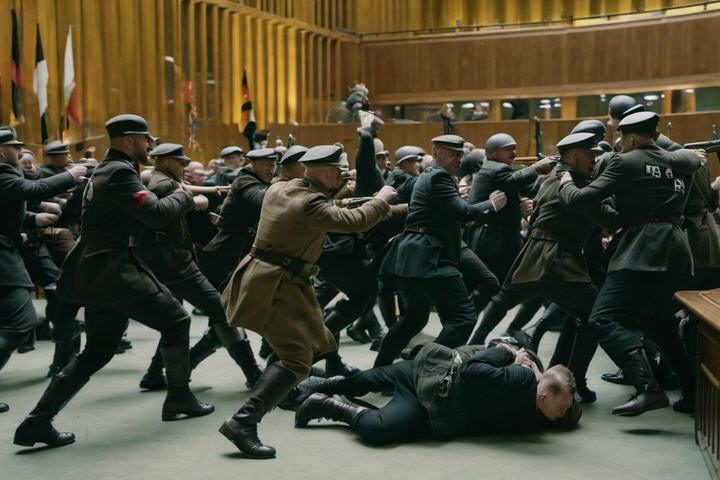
(699, 222)
(14, 191)
(649, 185)
(240, 213)
(473, 390)
(430, 246)
(103, 267)
(48, 170)
(169, 251)
(555, 247)
(403, 183)
(369, 177)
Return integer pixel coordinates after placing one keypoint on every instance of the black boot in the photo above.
(154, 378)
(242, 353)
(265, 349)
(617, 377)
(180, 401)
(4, 407)
(358, 333)
(241, 429)
(37, 426)
(319, 405)
(334, 366)
(373, 327)
(65, 351)
(492, 316)
(206, 346)
(583, 351)
(648, 395)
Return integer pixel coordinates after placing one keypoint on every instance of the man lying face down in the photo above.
(448, 393)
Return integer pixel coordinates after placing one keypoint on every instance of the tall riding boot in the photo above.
(180, 402)
(64, 352)
(319, 405)
(37, 426)
(648, 395)
(552, 317)
(154, 379)
(491, 317)
(583, 350)
(241, 429)
(4, 407)
(265, 349)
(525, 313)
(372, 325)
(206, 346)
(335, 321)
(242, 353)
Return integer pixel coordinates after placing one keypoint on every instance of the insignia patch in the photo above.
(679, 185)
(89, 191)
(653, 170)
(140, 198)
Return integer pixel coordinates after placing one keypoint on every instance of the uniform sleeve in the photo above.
(332, 218)
(510, 180)
(130, 195)
(15, 187)
(610, 180)
(252, 198)
(492, 369)
(447, 199)
(684, 161)
(369, 178)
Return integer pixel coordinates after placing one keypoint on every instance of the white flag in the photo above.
(71, 106)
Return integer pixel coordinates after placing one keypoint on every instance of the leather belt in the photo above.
(669, 218)
(294, 264)
(415, 229)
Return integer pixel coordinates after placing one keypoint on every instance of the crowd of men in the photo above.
(600, 236)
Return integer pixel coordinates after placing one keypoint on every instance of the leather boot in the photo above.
(648, 395)
(37, 426)
(358, 333)
(180, 401)
(319, 405)
(583, 350)
(616, 378)
(64, 352)
(492, 316)
(242, 353)
(372, 325)
(265, 349)
(206, 346)
(335, 322)
(4, 407)
(241, 429)
(154, 379)
(334, 366)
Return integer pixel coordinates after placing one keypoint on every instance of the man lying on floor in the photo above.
(448, 393)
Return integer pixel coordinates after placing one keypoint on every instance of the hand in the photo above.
(89, 162)
(222, 190)
(526, 207)
(45, 219)
(464, 187)
(201, 202)
(50, 207)
(544, 166)
(350, 185)
(498, 199)
(78, 172)
(716, 184)
(366, 119)
(388, 193)
(522, 357)
(509, 348)
(566, 178)
(702, 155)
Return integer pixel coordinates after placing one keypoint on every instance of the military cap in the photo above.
(232, 150)
(293, 154)
(174, 150)
(666, 143)
(327, 154)
(451, 142)
(379, 147)
(605, 146)
(408, 152)
(262, 154)
(126, 124)
(584, 140)
(498, 141)
(57, 148)
(634, 109)
(618, 104)
(9, 137)
(593, 126)
(643, 123)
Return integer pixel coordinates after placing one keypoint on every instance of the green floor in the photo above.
(120, 435)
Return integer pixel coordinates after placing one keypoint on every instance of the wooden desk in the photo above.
(706, 305)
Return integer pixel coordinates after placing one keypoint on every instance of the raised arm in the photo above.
(14, 187)
(447, 198)
(609, 181)
(369, 179)
(344, 220)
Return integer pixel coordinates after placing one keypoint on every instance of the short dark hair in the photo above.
(560, 378)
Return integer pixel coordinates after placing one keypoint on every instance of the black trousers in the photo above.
(105, 325)
(479, 280)
(453, 304)
(402, 418)
(351, 276)
(201, 294)
(17, 319)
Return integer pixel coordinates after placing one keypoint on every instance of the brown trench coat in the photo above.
(276, 303)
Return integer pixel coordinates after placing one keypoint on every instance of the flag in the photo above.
(40, 81)
(15, 67)
(248, 116)
(72, 109)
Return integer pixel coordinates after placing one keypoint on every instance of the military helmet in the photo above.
(619, 104)
(498, 141)
(596, 127)
(408, 152)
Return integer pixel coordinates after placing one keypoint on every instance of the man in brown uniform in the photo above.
(295, 217)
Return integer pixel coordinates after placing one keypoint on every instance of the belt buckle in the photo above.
(132, 242)
(314, 270)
